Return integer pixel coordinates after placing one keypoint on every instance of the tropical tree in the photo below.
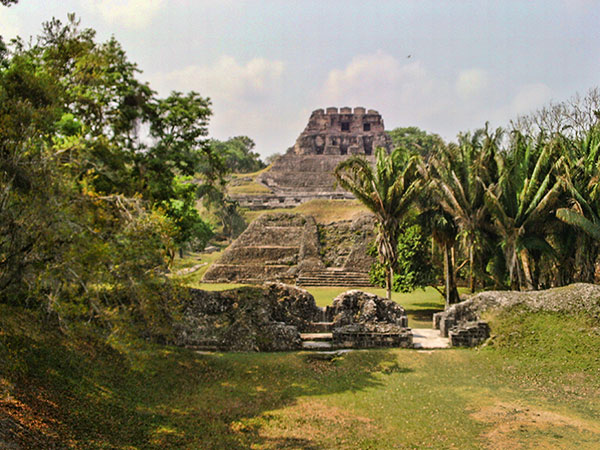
(460, 175)
(415, 140)
(521, 202)
(580, 176)
(389, 190)
(237, 154)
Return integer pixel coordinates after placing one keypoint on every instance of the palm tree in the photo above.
(521, 200)
(389, 191)
(460, 175)
(581, 176)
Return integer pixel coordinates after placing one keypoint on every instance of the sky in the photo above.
(443, 66)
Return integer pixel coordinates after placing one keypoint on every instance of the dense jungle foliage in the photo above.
(92, 208)
(505, 209)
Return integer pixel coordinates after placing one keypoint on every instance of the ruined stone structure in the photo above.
(463, 325)
(342, 132)
(276, 317)
(293, 248)
(305, 172)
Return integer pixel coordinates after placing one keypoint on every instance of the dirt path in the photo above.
(429, 338)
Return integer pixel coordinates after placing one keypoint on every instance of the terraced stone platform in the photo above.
(305, 171)
(293, 249)
(334, 277)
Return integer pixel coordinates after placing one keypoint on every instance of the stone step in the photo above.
(347, 280)
(320, 327)
(316, 336)
(317, 345)
(335, 274)
(333, 283)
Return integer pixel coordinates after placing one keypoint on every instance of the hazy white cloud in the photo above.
(10, 24)
(226, 80)
(407, 93)
(472, 82)
(129, 13)
(381, 81)
(246, 97)
(530, 97)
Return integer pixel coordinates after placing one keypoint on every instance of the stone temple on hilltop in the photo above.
(305, 172)
(342, 132)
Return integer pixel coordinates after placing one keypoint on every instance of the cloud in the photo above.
(129, 13)
(246, 98)
(227, 80)
(471, 82)
(408, 93)
(530, 97)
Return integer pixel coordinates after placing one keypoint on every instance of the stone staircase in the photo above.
(318, 336)
(334, 277)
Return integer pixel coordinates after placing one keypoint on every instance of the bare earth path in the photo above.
(429, 338)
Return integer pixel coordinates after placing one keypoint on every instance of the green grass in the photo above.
(245, 183)
(191, 259)
(324, 211)
(527, 390)
(251, 187)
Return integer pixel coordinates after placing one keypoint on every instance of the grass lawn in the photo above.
(526, 390)
(191, 259)
(324, 211)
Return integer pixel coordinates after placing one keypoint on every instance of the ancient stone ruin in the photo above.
(463, 323)
(305, 172)
(293, 248)
(277, 317)
(342, 132)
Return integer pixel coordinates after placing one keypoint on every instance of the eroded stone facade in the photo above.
(342, 132)
(305, 171)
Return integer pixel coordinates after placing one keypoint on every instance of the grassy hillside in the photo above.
(245, 183)
(324, 211)
(535, 386)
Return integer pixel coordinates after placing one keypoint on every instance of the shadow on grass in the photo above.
(431, 305)
(94, 395)
(422, 315)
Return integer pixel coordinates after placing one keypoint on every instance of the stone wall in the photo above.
(271, 318)
(462, 322)
(356, 336)
(342, 132)
(283, 246)
(364, 320)
(268, 318)
(469, 334)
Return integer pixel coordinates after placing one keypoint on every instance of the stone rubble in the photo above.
(463, 325)
(276, 317)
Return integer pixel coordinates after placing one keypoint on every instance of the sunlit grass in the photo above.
(324, 211)
(135, 394)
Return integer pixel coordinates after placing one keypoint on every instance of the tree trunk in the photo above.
(450, 280)
(471, 261)
(527, 278)
(389, 282)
